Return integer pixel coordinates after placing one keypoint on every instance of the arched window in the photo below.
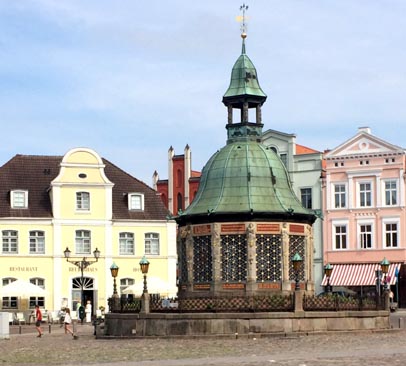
(179, 178)
(179, 202)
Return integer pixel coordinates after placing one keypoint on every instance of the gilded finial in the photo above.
(243, 20)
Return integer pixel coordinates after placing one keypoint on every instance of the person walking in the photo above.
(67, 322)
(38, 320)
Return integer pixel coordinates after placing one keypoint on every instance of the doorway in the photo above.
(89, 293)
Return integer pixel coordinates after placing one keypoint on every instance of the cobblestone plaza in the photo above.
(350, 348)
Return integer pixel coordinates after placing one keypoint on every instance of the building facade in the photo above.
(364, 211)
(304, 166)
(81, 202)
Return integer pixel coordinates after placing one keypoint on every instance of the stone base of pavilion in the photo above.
(119, 325)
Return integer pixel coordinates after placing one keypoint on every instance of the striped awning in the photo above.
(359, 274)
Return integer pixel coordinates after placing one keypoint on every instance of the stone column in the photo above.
(189, 256)
(251, 259)
(230, 114)
(286, 283)
(259, 114)
(245, 112)
(216, 253)
(309, 251)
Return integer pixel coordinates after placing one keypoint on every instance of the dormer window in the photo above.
(136, 201)
(19, 199)
(83, 201)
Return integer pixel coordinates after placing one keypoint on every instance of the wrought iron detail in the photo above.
(297, 245)
(269, 258)
(202, 259)
(234, 258)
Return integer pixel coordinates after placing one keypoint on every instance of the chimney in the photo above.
(364, 129)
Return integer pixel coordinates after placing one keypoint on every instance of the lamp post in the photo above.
(385, 267)
(114, 272)
(328, 268)
(297, 261)
(144, 265)
(82, 264)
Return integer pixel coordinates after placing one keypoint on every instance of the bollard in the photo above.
(19, 329)
(49, 325)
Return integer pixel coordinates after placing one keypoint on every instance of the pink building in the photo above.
(364, 212)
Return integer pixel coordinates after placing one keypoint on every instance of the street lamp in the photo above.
(385, 267)
(82, 264)
(297, 261)
(144, 264)
(114, 272)
(328, 268)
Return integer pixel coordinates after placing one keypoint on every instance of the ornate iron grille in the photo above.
(202, 259)
(269, 258)
(334, 302)
(233, 258)
(296, 245)
(183, 262)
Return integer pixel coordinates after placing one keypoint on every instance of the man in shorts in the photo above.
(38, 319)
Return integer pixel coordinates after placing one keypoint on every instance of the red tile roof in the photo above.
(35, 173)
(300, 150)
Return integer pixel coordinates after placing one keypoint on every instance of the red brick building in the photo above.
(178, 191)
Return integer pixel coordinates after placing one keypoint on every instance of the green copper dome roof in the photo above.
(245, 178)
(244, 80)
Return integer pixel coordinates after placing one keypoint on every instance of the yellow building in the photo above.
(81, 202)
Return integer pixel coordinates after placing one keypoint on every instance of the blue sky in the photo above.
(131, 78)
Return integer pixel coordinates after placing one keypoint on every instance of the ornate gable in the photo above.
(364, 143)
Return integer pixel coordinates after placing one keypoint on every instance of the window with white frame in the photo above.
(391, 234)
(83, 201)
(365, 236)
(10, 241)
(9, 302)
(82, 241)
(365, 194)
(19, 199)
(151, 243)
(340, 196)
(125, 282)
(37, 300)
(126, 243)
(37, 242)
(136, 201)
(284, 158)
(306, 197)
(340, 236)
(391, 192)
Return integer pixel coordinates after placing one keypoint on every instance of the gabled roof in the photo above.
(364, 143)
(35, 174)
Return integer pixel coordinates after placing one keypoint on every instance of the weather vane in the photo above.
(243, 20)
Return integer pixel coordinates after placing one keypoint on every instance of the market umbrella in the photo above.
(20, 288)
(154, 285)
